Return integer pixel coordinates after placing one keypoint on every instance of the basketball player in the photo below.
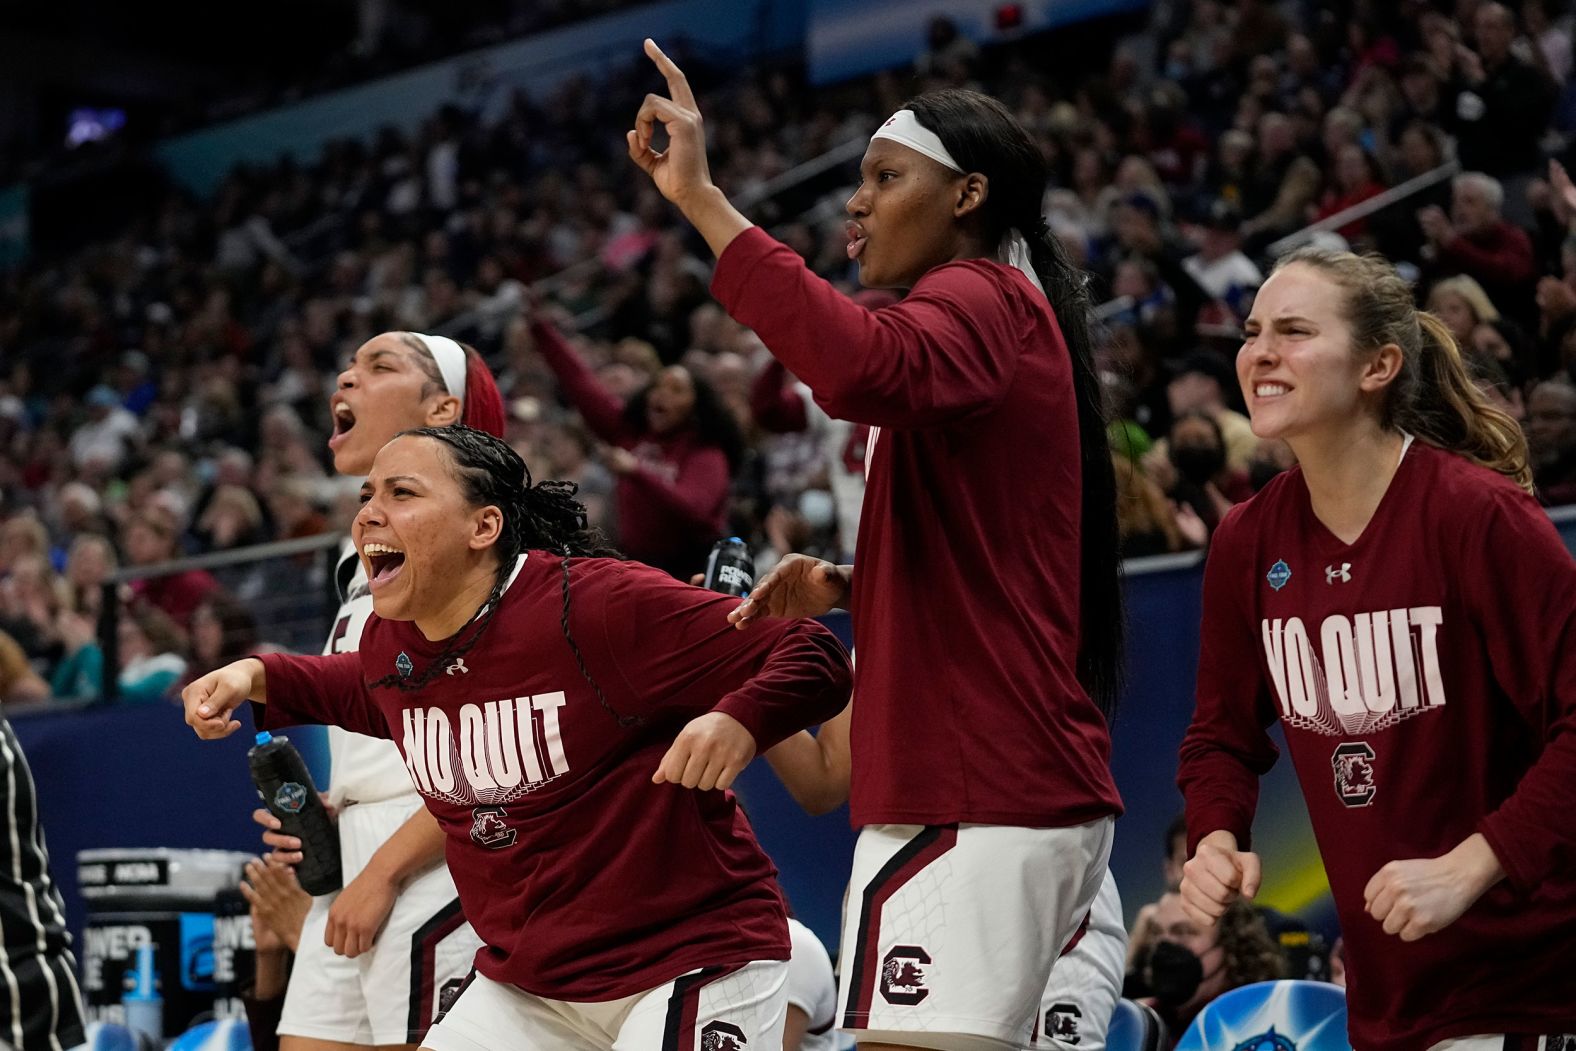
(1403, 607)
(556, 748)
(379, 959)
(986, 609)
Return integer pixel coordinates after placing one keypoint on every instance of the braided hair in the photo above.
(544, 516)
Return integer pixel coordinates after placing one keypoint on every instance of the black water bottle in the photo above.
(729, 568)
(286, 787)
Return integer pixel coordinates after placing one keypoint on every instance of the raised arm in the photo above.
(775, 404)
(950, 349)
(603, 413)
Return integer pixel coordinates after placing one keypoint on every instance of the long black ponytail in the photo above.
(982, 136)
(544, 516)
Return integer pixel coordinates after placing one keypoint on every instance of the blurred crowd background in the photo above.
(165, 370)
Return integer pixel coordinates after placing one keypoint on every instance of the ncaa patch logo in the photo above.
(489, 830)
(403, 665)
(1353, 763)
(1267, 1041)
(903, 975)
(722, 1036)
(290, 798)
(1279, 574)
(1061, 1023)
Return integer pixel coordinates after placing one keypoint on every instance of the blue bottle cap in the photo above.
(735, 540)
(141, 976)
(264, 737)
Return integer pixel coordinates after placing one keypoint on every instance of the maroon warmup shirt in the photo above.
(1425, 678)
(586, 881)
(965, 599)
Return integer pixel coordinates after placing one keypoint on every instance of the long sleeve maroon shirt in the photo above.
(585, 881)
(1425, 678)
(966, 580)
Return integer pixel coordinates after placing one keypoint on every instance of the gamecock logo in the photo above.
(489, 830)
(903, 975)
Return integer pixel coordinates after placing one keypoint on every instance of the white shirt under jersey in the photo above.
(844, 450)
(362, 769)
(812, 988)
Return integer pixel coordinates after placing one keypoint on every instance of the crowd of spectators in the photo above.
(164, 391)
(300, 49)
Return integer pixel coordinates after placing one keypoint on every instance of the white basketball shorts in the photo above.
(1075, 1010)
(951, 931)
(713, 1009)
(394, 992)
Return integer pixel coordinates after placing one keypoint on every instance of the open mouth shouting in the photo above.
(344, 422)
(383, 563)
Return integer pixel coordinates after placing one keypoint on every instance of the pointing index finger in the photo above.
(678, 83)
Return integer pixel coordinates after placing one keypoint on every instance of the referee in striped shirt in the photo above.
(40, 1002)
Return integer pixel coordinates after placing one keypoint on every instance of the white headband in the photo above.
(904, 128)
(450, 357)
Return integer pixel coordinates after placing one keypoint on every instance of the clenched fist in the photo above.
(708, 753)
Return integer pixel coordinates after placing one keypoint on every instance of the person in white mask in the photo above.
(986, 607)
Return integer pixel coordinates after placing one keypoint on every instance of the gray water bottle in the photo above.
(729, 568)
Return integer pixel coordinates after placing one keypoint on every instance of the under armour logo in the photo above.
(458, 666)
(1343, 573)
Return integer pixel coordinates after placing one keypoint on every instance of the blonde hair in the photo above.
(23, 535)
(1468, 289)
(233, 498)
(1140, 505)
(1433, 397)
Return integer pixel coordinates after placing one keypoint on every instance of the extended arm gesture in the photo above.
(680, 172)
(210, 699)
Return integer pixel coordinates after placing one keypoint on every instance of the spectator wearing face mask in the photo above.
(1204, 382)
(1203, 486)
(1179, 966)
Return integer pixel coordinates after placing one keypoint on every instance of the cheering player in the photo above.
(986, 608)
(378, 958)
(614, 911)
(1404, 608)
